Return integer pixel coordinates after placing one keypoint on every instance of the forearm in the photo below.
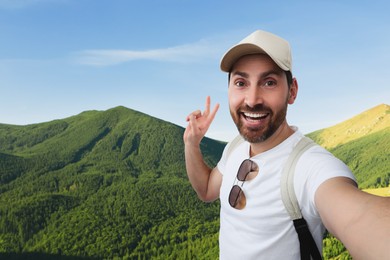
(197, 170)
(369, 236)
(360, 220)
(199, 174)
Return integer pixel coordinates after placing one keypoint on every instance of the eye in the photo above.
(270, 83)
(239, 83)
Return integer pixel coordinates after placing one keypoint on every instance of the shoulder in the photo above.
(231, 150)
(315, 167)
(319, 160)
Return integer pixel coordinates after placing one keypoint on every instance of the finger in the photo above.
(193, 124)
(213, 113)
(207, 106)
(196, 114)
(209, 119)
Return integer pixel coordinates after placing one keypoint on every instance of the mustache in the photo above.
(256, 108)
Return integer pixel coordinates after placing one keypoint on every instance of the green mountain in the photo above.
(102, 184)
(112, 184)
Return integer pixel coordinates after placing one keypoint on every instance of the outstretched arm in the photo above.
(360, 220)
(205, 181)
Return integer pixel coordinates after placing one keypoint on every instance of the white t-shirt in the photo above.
(263, 229)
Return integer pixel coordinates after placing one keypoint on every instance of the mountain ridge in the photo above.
(368, 122)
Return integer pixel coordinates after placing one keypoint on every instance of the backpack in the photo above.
(308, 247)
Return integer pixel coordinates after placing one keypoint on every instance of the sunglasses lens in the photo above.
(247, 171)
(237, 197)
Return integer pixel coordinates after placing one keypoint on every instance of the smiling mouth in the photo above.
(254, 117)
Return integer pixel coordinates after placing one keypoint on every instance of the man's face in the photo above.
(258, 97)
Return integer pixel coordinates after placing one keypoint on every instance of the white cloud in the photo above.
(182, 53)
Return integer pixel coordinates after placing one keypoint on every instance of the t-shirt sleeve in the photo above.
(319, 166)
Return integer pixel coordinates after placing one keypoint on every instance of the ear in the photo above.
(293, 92)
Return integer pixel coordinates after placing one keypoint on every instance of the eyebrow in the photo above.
(261, 75)
(241, 74)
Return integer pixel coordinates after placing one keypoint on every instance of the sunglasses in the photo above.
(248, 170)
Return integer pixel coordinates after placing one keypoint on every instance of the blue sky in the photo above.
(61, 57)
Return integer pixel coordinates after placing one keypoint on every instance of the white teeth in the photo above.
(253, 115)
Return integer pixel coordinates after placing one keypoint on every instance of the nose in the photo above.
(253, 96)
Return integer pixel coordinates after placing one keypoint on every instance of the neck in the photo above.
(281, 134)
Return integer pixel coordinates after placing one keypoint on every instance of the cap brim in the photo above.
(236, 52)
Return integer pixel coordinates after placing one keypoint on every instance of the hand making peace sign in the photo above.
(198, 124)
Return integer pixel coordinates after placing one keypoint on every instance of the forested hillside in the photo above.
(107, 184)
(102, 184)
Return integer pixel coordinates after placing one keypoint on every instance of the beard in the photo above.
(264, 131)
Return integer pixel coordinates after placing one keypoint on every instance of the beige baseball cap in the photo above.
(260, 42)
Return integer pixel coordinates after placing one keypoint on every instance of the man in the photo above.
(254, 221)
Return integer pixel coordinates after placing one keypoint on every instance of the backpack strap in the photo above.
(308, 246)
(233, 144)
(287, 181)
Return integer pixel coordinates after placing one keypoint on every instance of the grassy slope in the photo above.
(369, 122)
(362, 143)
(384, 192)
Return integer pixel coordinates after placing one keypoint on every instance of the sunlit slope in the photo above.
(384, 192)
(363, 143)
(366, 123)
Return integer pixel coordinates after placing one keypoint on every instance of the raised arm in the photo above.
(360, 220)
(205, 181)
